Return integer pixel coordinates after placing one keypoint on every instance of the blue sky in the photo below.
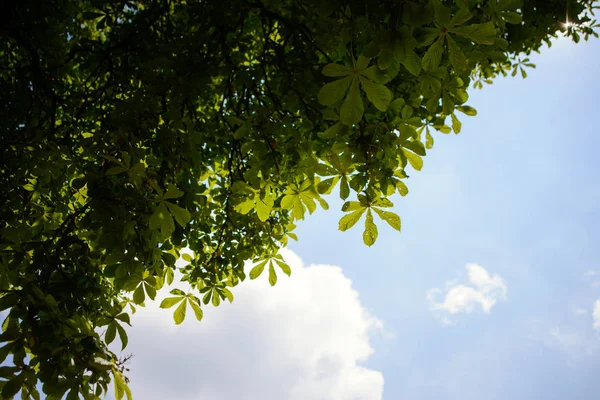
(517, 192)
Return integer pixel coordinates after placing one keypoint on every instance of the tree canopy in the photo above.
(134, 129)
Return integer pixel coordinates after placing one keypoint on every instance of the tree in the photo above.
(134, 129)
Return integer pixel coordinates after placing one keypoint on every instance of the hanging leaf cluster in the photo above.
(135, 134)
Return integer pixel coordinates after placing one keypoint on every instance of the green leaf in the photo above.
(457, 58)
(139, 296)
(122, 336)
(327, 185)
(397, 105)
(349, 220)
(177, 292)
(462, 16)
(263, 210)
(179, 314)
(111, 332)
(169, 275)
(197, 310)
(391, 218)
(12, 387)
(334, 91)
(6, 372)
(512, 17)
(352, 206)
(73, 394)
(161, 218)
(216, 300)
(468, 110)
(336, 70)
(412, 63)
(272, 275)
(298, 210)
(245, 207)
(433, 56)
(344, 188)
(362, 63)
(121, 388)
(172, 192)
(377, 93)
(402, 188)
(352, 108)
(335, 131)
(150, 290)
(479, 33)
(170, 302)
(4, 351)
(284, 267)
(382, 202)
(182, 216)
(428, 140)
(376, 75)
(124, 317)
(370, 233)
(441, 13)
(415, 161)
(456, 124)
(115, 170)
(206, 297)
(257, 269)
(416, 147)
(102, 363)
(227, 294)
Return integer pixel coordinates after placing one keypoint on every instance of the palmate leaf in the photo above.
(298, 198)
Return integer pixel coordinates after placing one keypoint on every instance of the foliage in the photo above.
(133, 129)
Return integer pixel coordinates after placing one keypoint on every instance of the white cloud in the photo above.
(483, 292)
(571, 341)
(596, 314)
(580, 311)
(589, 273)
(305, 338)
